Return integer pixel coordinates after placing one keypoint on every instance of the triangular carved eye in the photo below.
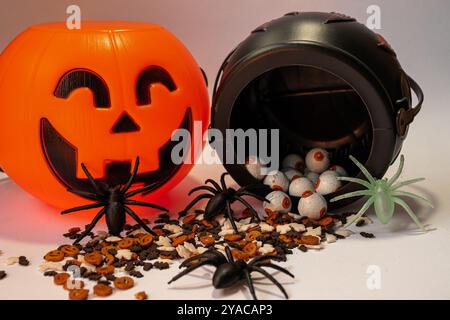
(84, 78)
(148, 77)
(125, 124)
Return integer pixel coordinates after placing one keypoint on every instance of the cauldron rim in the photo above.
(330, 59)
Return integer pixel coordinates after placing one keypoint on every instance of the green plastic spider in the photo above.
(383, 194)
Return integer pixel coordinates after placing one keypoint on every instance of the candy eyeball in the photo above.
(312, 205)
(293, 161)
(317, 160)
(327, 183)
(276, 180)
(299, 186)
(254, 167)
(333, 173)
(339, 170)
(312, 176)
(278, 202)
(291, 174)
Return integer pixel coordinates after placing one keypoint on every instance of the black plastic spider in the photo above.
(115, 201)
(221, 198)
(229, 272)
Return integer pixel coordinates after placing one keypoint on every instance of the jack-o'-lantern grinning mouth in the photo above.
(61, 156)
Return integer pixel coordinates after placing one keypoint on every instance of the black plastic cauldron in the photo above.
(324, 80)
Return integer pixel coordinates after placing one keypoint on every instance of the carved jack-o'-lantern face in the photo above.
(101, 96)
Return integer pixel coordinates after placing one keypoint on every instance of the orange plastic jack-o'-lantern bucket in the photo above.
(102, 96)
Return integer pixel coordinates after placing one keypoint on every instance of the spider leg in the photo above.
(140, 190)
(363, 169)
(80, 208)
(213, 256)
(193, 202)
(399, 171)
(208, 188)
(266, 259)
(249, 186)
(248, 277)
(251, 194)
(90, 178)
(222, 180)
(229, 254)
(188, 270)
(271, 278)
(230, 217)
(132, 177)
(410, 212)
(215, 184)
(405, 183)
(91, 226)
(413, 196)
(139, 221)
(274, 266)
(361, 211)
(145, 204)
(352, 194)
(247, 205)
(356, 180)
(87, 195)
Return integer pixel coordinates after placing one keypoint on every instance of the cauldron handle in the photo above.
(406, 116)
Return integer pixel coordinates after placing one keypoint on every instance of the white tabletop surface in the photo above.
(410, 265)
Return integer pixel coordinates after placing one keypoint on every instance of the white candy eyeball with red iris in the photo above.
(292, 174)
(278, 202)
(312, 205)
(299, 186)
(293, 161)
(317, 160)
(276, 180)
(254, 167)
(339, 170)
(327, 183)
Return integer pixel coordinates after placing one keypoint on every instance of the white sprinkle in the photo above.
(200, 217)
(265, 227)
(190, 247)
(166, 248)
(174, 235)
(283, 228)
(201, 250)
(265, 249)
(49, 265)
(225, 232)
(297, 227)
(310, 231)
(137, 231)
(246, 220)
(173, 228)
(245, 227)
(314, 247)
(124, 254)
(113, 239)
(330, 238)
(343, 232)
(164, 242)
(183, 252)
(11, 260)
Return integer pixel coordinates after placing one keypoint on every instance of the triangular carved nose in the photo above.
(125, 124)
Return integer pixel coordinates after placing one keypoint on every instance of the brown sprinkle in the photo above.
(141, 295)
(123, 283)
(78, 294)
(60, 278)
(54, 256)
(102, 290)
